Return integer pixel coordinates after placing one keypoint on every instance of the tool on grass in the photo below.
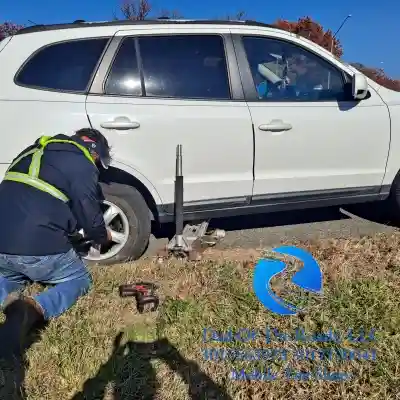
(144, 293)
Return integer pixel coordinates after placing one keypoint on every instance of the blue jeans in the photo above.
(66, 272)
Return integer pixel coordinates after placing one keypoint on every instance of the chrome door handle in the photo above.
(120, 123)
(276, 125)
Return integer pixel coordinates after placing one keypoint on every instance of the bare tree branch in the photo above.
(173, 14)
(136, 10)
(239, 16)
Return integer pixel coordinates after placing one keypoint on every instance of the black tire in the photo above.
(393, 209)
(132, 203)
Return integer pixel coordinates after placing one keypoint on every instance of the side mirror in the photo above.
(359, 86)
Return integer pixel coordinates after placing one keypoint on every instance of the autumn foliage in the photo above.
(306, 27)
(7, 29)
(313, 31)
(379, 76)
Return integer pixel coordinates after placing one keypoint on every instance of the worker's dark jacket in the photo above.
(35, 223)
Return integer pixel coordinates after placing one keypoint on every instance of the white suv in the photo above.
(268, 121)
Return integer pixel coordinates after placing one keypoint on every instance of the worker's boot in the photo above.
(22, 317)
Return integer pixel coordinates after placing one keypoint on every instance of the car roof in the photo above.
(160, 21)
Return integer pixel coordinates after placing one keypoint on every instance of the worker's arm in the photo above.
(86, 197)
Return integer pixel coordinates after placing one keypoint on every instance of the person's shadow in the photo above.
(131, 375)
(12, 373)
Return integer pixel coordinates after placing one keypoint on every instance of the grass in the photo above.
(103, 349)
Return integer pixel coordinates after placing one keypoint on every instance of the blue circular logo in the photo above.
(309, 278)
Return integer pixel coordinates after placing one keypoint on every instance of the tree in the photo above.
(8, 28)
(313, 31)
(139, 10)
(172, 14)
(136, 10)
(379, 76)
(239, 16)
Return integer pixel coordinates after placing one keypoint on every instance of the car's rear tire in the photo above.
(131, 223)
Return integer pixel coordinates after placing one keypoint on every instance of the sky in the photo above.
(368, 37)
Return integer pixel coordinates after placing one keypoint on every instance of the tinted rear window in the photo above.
(192, 66)
(66, 66)
(174, 66)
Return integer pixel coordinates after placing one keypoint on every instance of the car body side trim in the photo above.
(218, 208)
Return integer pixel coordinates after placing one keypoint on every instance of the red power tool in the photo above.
(144, 293)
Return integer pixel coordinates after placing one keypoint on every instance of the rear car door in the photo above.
(312, 140)
(158, 88)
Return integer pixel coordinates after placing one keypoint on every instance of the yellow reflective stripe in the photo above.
(82, 148)
(32, 178)
(43, 140)
(37, 183)
(28, 153)
(35, 163)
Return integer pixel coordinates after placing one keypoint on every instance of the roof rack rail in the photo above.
(159, 21)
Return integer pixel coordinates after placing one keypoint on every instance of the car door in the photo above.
(164, 89)
(311, 138)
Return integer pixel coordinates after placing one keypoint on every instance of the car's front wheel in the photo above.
(127, 216)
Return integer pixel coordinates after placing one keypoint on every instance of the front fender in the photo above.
(119, 164)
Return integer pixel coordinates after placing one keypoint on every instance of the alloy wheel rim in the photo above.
(115, 220)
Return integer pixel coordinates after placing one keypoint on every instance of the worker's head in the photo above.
(97, 145)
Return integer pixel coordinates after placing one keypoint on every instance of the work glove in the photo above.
(83, 248)
(81, 245)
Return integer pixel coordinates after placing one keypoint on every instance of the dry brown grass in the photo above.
(77, 358)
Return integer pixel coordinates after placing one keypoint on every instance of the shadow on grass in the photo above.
(131, 375)
(12, 373)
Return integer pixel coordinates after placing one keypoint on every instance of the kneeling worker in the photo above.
(50, 192)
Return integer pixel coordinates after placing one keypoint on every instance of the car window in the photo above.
(283, 71)
(124, 78)
(185, 66)
(175, 66)
(65, 66)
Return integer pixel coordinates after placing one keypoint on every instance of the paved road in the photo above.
(269, 229)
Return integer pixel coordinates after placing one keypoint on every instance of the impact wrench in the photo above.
(144, 292)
